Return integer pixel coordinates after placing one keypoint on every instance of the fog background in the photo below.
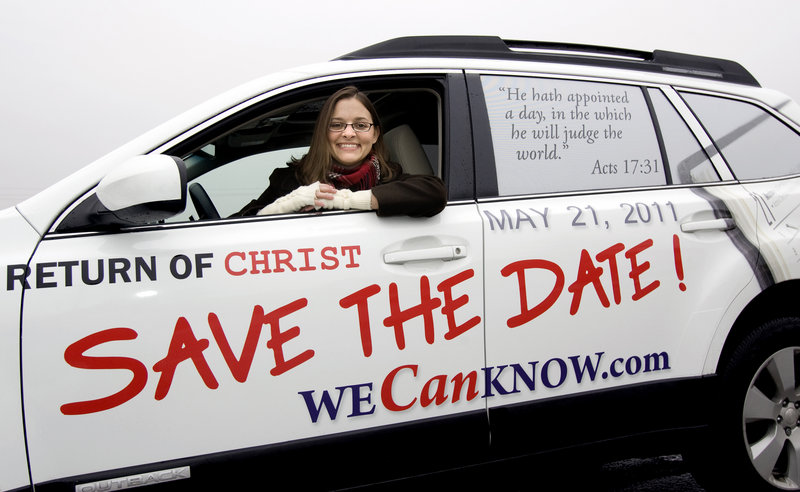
(79, 78)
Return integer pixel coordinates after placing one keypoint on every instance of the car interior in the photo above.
(234, 167)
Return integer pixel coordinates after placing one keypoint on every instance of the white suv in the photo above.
(619, 257)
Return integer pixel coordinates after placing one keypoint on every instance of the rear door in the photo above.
(210, 344)
(609, 262)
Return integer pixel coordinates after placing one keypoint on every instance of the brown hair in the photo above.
(315, 165)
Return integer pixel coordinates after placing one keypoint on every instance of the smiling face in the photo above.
(350, 147)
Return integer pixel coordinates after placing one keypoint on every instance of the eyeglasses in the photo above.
(359, 126)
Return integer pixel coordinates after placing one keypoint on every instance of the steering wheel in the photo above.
(202, 203)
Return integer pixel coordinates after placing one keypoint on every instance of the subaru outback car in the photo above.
(618, 257)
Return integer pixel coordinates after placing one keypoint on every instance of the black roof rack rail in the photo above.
(495, 47)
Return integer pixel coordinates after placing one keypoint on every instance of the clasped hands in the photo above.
(319, 195)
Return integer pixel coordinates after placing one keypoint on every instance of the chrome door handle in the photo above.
(708, 225)
(444, 253)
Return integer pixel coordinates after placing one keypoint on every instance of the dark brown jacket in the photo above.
(415, 195)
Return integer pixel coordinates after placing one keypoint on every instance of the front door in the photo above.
(190, 342)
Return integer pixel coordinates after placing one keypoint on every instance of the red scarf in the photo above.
(361, 177)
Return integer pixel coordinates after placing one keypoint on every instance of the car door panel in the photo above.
(601, 265)
(183, 341)
(610, 264)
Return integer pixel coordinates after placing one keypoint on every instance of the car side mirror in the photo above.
(145, 189)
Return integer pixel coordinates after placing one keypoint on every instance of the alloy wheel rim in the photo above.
(771, 419)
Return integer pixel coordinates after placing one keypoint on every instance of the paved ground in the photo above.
(659, 474)
(652, 474)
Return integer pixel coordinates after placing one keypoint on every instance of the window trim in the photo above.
(719, 162)
(485, 165)
(483, 146)
(659, 135)
(458, 147)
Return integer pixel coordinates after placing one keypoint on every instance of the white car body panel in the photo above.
(659, 290)
(769, 214)
(264, 408)
(19, 240)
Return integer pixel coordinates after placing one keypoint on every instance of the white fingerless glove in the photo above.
(346, 200)
(294, 201)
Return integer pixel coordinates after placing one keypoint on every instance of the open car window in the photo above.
(234, 167)
(232, 160)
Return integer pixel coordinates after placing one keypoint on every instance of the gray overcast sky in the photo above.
(81, 77)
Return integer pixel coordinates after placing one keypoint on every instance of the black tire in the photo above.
(754, 438)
